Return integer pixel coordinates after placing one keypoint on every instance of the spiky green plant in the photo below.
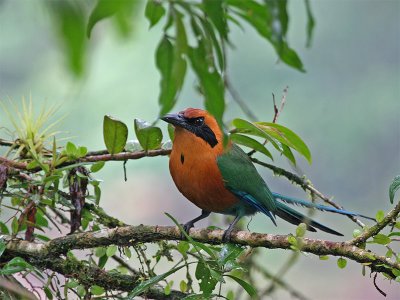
(33, 133)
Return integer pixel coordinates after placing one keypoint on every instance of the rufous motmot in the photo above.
(223, 179)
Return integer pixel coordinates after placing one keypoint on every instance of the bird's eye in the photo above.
(198, 121)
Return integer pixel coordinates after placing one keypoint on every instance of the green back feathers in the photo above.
(239, 174)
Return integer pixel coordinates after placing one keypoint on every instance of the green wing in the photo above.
(241, 177)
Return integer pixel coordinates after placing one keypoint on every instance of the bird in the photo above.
(221, 178)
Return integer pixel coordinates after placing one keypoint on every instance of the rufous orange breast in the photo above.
(194, 169)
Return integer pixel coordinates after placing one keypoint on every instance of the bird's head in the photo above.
(198, 122)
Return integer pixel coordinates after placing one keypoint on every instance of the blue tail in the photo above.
(295, 201)
(290, 215)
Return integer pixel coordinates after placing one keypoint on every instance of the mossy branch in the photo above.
(370, 232)
(87, 275)
(132, 235)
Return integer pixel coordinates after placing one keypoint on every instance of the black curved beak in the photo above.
(174, 119)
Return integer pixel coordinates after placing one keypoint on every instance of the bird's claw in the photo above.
(186, 228)
(226, 237)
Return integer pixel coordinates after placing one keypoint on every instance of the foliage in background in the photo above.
(42, 182)
(196, 34)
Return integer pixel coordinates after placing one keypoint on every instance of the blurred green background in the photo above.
(346, 107)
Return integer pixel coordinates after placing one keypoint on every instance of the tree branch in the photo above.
(390, 217)
(304, 184)
(98, 156)
(130, 235)
(93, 275)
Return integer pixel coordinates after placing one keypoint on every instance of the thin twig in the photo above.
(90, 158)
(277, 112)
(305, 185)
(123, 263)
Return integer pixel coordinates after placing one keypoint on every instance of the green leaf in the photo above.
(209, 31)
(142, 287)
(71, 23)
(288, 153)
(124, 18)
(394, 186)
(14, 225)
(72, 284)
(97, 194)
(323, 257)
(81, 152)
(216, 12)
(248, 287)
(394, 234)
(42, 237)
(127, 252)
(71, 149)
(246, 127)
(15, 265)
(205, 248)
(287, 137)
(154, 11)
(183, 247)
(48, 293)
(81, 291)
(41, 219)
(292, 240)
(111, 250)
(301, 230)
(102, 261)
(207, 282)
(100, 251)
(4, 228)
(2, 247)
(381, 239)
(196, 245)
(229, 252)
(183, 286)
(389, 253)
(165, 63)
(32, 164)
(341, 262)
(97, 166)
(310, 23)
(251, 143)
(107, 8)
(270, 21)
(167, 289)
(380, 215)
(149, 137)
(96, 290)
(172, 66)
(171, 131)
(356, 233)
(115, 134)
(210, 80)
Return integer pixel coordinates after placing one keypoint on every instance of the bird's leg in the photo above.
(226, 237)
(190, 224)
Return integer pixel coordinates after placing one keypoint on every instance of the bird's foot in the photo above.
(226, 237)
(186, 228)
